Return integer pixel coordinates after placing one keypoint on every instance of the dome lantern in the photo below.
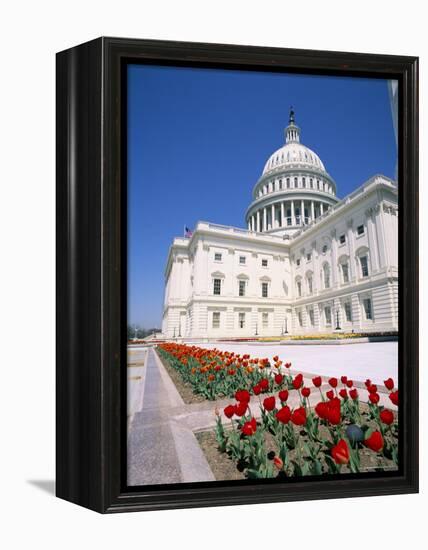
(292, 132)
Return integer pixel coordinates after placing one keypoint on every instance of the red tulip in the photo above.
(298, 416)
(298, 381)
(287, 365)
(394, 397)
(340, 452)
(330, 394)
(349, 383)
(334, 415)
(389, 384)
(264, 384)
(368, 382)
(374, 398)
(250, 427)
(275, 359)
(387, 416)
(375, 442)
(343, 379)
(353, 394)
(257, 389)
(343, 393)
(317, 381)
(229, 411)
(321, 409)
(284, 415)
(333, 382)
(241, 408)
(269, 403)
(279, 378)
(283, 395)
(242, 396)
(306, 392)
(372, 388)
(278, 463)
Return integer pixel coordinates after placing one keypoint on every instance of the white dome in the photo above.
(294, 154)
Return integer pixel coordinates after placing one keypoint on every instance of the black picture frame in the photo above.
(91, 272)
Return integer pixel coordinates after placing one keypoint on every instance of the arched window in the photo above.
(326, 275)
(299, 287)
(362, 256)
(309, 282)
(344, 268)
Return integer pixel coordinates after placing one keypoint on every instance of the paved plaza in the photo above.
(377, 360)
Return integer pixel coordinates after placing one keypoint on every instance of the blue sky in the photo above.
(198, 140)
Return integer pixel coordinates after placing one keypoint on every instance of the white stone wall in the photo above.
(193, 266)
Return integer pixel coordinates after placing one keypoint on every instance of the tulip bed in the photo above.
(338, 434)
(215, 374)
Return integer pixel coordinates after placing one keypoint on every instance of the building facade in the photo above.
(307, 263)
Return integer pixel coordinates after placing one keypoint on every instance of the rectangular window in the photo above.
(216, 319)
(367, 303)
(299, 288)
(241, 320)
(308, 257)
(327, 315)
(217, 257)
(311, 317)
(298, 262)
(310, 285)
(241, 288)
(288, 183)
(265, 320)
(342, 239)
(348, 312)
(264, 290)
(299, 317)
(311, 181)
(345, 273)
(360, 230)
(364, 266)
(242, 260)
(264, 263)
(217, 287)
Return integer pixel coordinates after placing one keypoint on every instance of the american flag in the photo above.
(187, 232)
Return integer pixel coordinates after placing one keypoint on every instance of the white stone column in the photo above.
(321, 208)
(293, 218)
(282, 214)
(302, 212)
(272, 225)
(312, 211)
(372, 240)
(264, 219)
(350, 239)
(249, 224)
(334, 266)
(258, 221)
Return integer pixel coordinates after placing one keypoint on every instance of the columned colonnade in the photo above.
(286, 214)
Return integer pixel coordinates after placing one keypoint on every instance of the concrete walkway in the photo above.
(161, 448)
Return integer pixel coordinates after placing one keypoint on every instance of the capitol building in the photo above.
(306, 263)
